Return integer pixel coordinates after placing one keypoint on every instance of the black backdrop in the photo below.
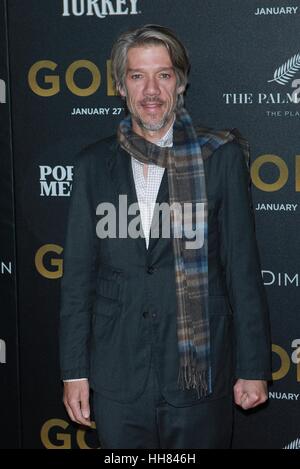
(9, 366)
(245, 67)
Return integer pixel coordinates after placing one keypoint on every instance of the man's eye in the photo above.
(165, 75)
(136, 76)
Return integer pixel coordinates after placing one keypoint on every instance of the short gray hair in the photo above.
(150, 34)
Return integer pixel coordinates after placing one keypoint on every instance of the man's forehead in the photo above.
(149, 54)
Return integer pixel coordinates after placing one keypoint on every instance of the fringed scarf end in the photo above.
(190, 378)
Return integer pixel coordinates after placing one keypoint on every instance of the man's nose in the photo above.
(151, 87)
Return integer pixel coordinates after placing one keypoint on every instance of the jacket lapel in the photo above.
(119, 165)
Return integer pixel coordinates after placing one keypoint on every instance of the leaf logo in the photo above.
(283, 74)
(293, 445)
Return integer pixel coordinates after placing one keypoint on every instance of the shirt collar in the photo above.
(167, 139)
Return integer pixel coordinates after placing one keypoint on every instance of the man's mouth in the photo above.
(151, 104)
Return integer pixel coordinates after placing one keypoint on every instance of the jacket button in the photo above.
(145, 314)
(150, 269)
(154, 315)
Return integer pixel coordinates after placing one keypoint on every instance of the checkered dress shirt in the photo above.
(147, 189)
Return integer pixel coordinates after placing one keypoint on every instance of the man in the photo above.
(162, 328)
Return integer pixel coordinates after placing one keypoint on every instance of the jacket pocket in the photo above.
(109, 289)
(106, 322)
(108, 300)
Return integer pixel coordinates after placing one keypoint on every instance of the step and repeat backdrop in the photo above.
(56, 96)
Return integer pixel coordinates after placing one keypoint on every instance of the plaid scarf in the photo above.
(186, 180)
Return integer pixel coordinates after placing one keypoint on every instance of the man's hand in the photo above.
(76, 400)
(250, 393)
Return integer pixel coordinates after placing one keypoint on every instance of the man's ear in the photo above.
(180, 89)
(122, 91)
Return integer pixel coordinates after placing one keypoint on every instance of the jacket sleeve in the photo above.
(243, 272)
(79, 277)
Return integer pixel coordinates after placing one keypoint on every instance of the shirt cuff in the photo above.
(78, 379)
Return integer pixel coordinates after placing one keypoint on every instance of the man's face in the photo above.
(151, 90)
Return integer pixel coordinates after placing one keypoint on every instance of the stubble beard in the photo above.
(152, 127)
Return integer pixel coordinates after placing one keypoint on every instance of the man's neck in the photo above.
(153, 137)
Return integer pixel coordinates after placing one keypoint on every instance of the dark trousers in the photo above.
(150, 422)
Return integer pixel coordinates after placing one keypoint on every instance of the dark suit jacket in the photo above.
(118, 299)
